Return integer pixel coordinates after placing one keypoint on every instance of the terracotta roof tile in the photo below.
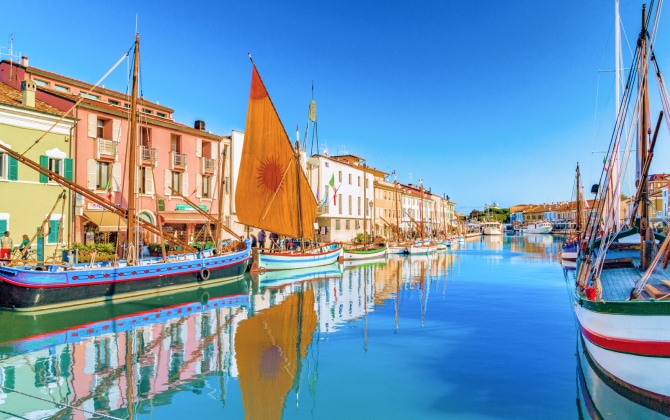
(13, 97)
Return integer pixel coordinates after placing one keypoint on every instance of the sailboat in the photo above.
(53, 286)
(570, 249)
(423, 246)
(367, 251)
(621, 295)
(397, 247)
(272, 190)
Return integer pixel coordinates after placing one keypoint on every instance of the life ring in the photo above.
(204, 273)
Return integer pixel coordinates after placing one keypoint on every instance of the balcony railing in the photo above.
(147, 156)
(178, 160)
(208, 165)
(107, 147)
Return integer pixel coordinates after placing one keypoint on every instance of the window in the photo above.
(346, 224)
(100, 130)
(89, 96)
(227, 189)
(176, 181)
(340, 176)
(39, 82)
(142, 178)
(350, 179)
(206, 187)
(147, 111)
(102, 175)
(160, 114)
(54, 230)
(359, 180)
(339, 203)
(3, 165)
(350, 204)
(113, 102)
(175, 143)
(62, 88)
(337, 224)
(359, 206)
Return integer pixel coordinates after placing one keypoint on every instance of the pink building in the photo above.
(170, 156)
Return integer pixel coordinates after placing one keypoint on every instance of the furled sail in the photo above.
(272, 191)
(269, 347)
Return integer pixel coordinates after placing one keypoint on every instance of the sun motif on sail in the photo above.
(269, 175)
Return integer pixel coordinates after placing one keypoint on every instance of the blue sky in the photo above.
(487, 101)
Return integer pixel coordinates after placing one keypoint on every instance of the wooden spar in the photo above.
(642, 144)
(397, 213)
(204, 213)
(131, 156)
(365, 208)
(222, 178)
(106, 205)
(645, 169)
(298, 169)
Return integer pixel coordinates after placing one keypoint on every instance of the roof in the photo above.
(37, 71)
(13, 97)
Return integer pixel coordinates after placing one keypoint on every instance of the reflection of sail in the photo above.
(272, 190)
(269, 348)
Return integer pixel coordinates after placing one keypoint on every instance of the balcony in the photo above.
(148, 157)
(107, 148)
(208, 165)
(178, 160)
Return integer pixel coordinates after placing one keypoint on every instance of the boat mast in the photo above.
(644, 130)
(298, 168)
(579, 202)
(365, 207)
(397, 221)
(131, 156)
(421, 209)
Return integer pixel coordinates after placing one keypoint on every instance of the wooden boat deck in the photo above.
(618, 282)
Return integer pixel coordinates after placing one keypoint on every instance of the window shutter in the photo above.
(53, 232)
(198, 147)
(3, 226)
(91, 174)
(198, 182)
(168, 182)
(92, 125)
(116, 130)
(184, 184)
(149, 181)
(44, 161)
(12, 169)
(116, 176)
(68, 169)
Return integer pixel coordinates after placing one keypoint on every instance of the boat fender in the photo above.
(204, 273)
(204, 297)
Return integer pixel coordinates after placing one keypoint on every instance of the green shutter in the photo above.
(53, 232)
(44, 161)
(68, 169)
(161, 205)
(13, 169)
(3, 226)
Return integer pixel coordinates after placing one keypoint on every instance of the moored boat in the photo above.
(272, 191)
(35, 288)
(621, 292)
(491, 228)
(539, 227)
(364, 253)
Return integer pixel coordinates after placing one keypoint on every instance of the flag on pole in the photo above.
(108, 189)
(332, 181)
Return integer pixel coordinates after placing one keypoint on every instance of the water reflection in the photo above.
(123, 360)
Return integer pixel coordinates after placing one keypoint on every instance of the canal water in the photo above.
(483, 330)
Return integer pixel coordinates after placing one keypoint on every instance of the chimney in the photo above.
(24, 61)
(199, 125)
(28, 88)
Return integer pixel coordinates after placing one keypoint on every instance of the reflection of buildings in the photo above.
(143, 357)
(543, 246)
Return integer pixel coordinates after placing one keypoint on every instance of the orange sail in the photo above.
(269, 347)
(272, 191)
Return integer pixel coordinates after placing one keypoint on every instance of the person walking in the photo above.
(5, 248)
(24, 248)
(261, 238)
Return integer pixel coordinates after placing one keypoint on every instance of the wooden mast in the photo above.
(132, 156)
(365, 208)
(579, 202)
(397, 214)
(643, 131)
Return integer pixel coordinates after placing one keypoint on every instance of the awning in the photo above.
(106, 221)
(183, 217)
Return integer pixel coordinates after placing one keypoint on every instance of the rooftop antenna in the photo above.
(10, 54)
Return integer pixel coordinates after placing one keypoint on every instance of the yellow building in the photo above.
(28, 200)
